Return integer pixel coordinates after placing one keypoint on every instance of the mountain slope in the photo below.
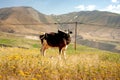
(106, 25)
(96, 24)
(98, 29)
(97, 17)
(24, 16)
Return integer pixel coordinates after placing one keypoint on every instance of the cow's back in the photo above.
(54, 40)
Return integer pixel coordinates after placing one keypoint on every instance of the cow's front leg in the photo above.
(60, 52)
(64, 51)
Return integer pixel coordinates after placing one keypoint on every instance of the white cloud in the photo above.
(112, 8)
(81, 7)
(88, 7)
(115, 8)
(114, 1)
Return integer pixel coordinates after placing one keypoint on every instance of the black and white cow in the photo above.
(60, 39)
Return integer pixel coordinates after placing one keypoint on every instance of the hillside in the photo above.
(106, 25)
(25, 16)
(96, 17)
(96, 24)
(98, 29)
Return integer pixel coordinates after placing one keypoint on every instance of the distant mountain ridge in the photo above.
(97, 17)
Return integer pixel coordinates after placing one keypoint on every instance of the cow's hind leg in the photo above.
(44, 47)
(42, 50)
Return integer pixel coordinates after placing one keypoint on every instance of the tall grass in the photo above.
(83, 64)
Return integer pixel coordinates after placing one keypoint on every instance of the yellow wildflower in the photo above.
(34, 79)
(38, 75)
(13, 67)
(0, 77)
(21, 73)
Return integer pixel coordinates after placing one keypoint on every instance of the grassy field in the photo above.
(10, 40)
(83, 64)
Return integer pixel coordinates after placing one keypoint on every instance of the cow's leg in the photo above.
(64, 51)
(42, 50)
(44, 47)
(60, 52)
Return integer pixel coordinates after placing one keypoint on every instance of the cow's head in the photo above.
(65, 34)
(68, 31)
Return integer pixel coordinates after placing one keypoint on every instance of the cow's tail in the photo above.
(42, 37)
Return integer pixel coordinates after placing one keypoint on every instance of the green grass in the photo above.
(19, 42)
(36, 45)
(7, 41)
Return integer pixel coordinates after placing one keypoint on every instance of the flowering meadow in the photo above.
(83, 64)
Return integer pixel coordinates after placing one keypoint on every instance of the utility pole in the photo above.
(75, 35)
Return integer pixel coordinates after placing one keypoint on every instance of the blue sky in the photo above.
(65, 6)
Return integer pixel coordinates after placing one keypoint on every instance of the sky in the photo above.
(57, 7)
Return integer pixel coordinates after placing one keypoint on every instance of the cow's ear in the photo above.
(66, 31)
(59, 31)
